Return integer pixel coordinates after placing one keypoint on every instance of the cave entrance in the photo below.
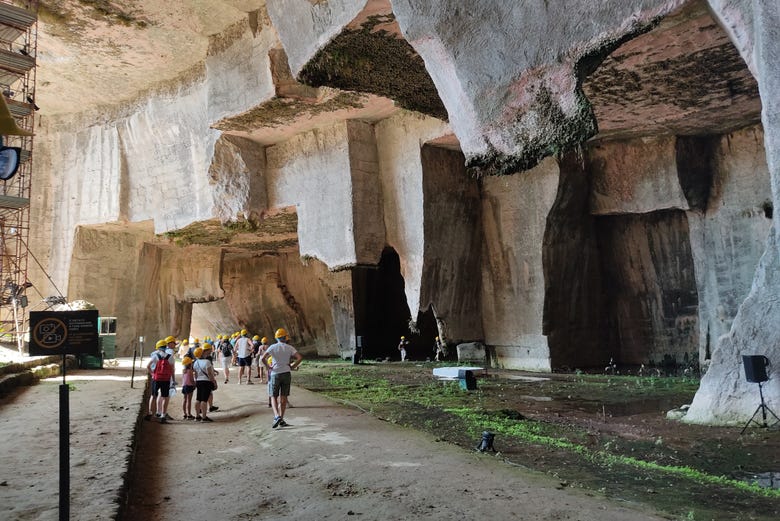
(424, 340)
(209, 319)
(381, 312)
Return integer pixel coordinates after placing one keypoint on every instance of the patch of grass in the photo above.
(530, 433)
(679, 480)
(214, 233)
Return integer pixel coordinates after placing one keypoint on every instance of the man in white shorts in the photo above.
(226, 353)
(244, 354)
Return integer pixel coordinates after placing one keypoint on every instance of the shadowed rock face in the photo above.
(684, 77)
(638, 152)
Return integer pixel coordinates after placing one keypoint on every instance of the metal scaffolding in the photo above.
(18, 51)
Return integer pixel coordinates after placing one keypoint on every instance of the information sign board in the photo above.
(64, 332)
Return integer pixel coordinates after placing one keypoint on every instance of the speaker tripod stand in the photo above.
(763, 409)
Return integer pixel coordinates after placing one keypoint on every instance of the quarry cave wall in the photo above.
(639, 244)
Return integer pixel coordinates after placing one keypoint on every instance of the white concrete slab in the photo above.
(452, 372)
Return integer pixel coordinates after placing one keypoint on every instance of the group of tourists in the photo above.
(199, 378)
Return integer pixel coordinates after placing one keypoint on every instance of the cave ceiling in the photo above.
(682, 77)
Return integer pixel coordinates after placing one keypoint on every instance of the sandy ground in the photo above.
(103, 413)
(330, 463)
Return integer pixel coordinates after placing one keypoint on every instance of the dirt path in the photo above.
(103, 413)
(332, 463)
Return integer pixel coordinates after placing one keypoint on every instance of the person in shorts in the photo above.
(283, 359)
(244, 355)
(161, 381)
(226, 353)
(205, 382)
(187, 387)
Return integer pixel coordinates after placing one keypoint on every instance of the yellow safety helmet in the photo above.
(185, 341)
(437, 338)
(243, 332)
(169, 339)
(264, 340)
(160, 344)
(219, 337)
(186, 360)
(256, 337)
(281, 333)
(197, 340)
(206, 346)
(198, 352)
(403, 338)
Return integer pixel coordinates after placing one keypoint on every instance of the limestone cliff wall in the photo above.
(266, 292)
(452, 229)
(103, 257)
(312, 173)
(637, 245)
(399, 142)
(169, 280)
(730, 235)
(514, 216)
(148, 160)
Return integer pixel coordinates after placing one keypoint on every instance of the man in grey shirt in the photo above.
(282, 358)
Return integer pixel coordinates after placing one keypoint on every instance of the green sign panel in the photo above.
(64, 332)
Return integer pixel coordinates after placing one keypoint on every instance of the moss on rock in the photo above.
(376, 61)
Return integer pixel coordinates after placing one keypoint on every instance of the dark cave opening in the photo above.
(381, 312)
(424, 340)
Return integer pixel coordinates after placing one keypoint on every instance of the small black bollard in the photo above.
(487, 442)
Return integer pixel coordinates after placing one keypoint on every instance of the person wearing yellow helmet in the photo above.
(170, 346)
(226, 354)
(205, 382)
(403, 345)
(283, 359)
(260, 347)
(244, 356)
(187, 387)
(184, 348)
(440, 349)
(256, 357)
(161, 370)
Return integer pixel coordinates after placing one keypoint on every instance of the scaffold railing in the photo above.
(18, 54)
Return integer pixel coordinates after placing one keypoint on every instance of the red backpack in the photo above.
(163, 371)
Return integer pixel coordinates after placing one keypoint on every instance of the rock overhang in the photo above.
(657, 67)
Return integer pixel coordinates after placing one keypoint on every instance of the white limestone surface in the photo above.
(399, 140)
(514, 95)
(305, 27)
(312, 173)
(723, 395)
(148, 160)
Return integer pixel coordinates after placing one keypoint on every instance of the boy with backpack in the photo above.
(160, 368)
(226, 350)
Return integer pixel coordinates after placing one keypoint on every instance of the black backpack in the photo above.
(227, 349)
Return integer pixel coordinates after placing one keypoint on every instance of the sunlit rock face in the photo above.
(327, 167)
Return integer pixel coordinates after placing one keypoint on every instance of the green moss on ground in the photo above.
(684, 471)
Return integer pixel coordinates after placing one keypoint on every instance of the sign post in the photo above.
(65, 333)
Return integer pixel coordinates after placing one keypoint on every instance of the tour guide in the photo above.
(278, 357)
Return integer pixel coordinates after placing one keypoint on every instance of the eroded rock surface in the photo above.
(325, 166)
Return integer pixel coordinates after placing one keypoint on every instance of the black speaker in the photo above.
(755, 368)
